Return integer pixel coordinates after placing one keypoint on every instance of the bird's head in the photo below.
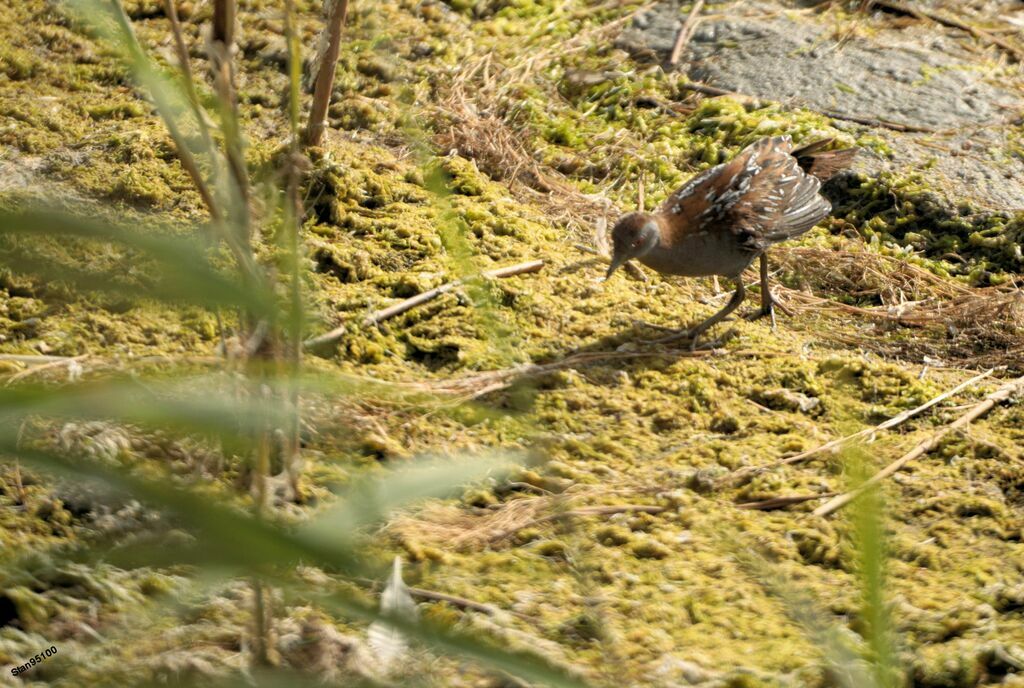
(633, 235)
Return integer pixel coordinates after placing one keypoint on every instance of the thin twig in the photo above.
(782, 501)
(685, 33)
(379, 316)
(33, 359)
(324, 83)
(592, 251)
(708, 90)
(842, 441)
(399, 308)
(953, 22)
(68, 362)
(454, 600)
(461, 602)
(185, 64)
(1007, 391)
(222, 49)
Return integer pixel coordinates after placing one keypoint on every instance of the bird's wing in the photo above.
(816, 161)
(761, 196)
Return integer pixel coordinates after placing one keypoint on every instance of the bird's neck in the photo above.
(661, 222)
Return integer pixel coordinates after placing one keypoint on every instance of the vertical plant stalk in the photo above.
(224, 21)
(223, 70)
(871, 551)
(264, 653)
(686, 33)
(260, 335)
(292, 228)
(324, 82)
(185, 64)
(19, 487)
(146, 75)
(139, 63)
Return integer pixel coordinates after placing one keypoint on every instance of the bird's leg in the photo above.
(734, 303)
(768, 302)
(694, 332)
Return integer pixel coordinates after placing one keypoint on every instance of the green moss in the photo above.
(894, 212)
(614, 536)
(18, 65)
(553, 549)
(126, 110)
(649, 549)
(952, 668)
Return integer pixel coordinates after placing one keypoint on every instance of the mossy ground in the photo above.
(633, 598)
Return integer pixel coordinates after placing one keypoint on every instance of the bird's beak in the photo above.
(617, 261)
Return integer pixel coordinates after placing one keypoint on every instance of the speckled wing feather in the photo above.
(761, 197)
(824, 164)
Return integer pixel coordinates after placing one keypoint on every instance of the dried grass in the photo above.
(439, 524)
(981, 326)
(480, 109)
(480, 127)
(451, 526)
(863, 274)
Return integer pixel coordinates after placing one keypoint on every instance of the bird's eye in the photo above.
(636, 244)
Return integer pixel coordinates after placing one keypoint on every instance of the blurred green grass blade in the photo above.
(193, 405)
(173, 290)
(867, 514)
(841, 656)
(366, 502)
(267, 678)
(226, 536)
(294, 70)
(183, 272)
(370, 500)
(524, 665)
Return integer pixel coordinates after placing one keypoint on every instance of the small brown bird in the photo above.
(725, 217)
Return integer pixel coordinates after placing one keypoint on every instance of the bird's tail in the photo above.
(821, 163)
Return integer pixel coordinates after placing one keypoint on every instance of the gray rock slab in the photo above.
(919, 74)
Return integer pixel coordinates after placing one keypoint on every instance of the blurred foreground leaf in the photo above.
(178, 270)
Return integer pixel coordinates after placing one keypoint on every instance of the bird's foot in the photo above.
(767, 309)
